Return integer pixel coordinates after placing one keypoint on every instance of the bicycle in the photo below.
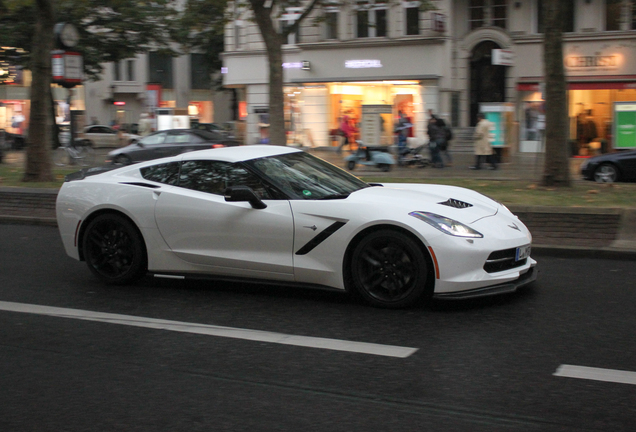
(80, 153)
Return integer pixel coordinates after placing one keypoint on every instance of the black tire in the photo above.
(351, 165)
(114, 250)
(384, 167)
(606, 173)
(122, 160)
(389, 270)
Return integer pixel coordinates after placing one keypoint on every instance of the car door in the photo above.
(228, 238)
(102, 136)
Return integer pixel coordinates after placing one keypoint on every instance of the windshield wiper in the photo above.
(335, 196)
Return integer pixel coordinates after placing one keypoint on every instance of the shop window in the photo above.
(371, 20)
(499, 13)
(160, 69)
(567, 21)
(412, 18)
(331, 24)
(477, 13)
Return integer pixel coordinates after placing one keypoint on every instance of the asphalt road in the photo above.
(154, 360)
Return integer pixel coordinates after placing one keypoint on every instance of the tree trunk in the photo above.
(38, 160)
(557, 167)
(274, 45)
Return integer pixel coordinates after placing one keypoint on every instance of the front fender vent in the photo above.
(456, 203)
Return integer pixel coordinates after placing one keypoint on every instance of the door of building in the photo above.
(487, 81)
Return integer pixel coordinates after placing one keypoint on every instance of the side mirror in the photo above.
(244, 194)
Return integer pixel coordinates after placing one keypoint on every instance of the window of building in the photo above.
(633, 14)
(477, 13)
(412, 11)
(331, 23)
(371, 20)
(200, 77)
(613, 15)
(499, 13)
(160, 69)
(116, 71)
(130, 70)
(567, 21)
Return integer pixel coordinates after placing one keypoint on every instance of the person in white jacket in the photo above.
(483, 147)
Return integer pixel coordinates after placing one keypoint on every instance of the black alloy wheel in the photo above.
(114, 250)
(122, 160)
(388, 269)
(606, 173)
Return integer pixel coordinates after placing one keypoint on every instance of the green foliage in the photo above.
(110, 30)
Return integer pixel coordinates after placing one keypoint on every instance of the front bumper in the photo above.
(504, 288)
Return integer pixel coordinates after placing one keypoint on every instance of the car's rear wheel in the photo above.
(122, 160)
(606, 173)
(389, 269)
(114, 249)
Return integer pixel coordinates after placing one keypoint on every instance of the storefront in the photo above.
(315, 112)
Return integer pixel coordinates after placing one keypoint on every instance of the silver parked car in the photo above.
(105, 136)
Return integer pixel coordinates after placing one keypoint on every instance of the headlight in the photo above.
(446, 225)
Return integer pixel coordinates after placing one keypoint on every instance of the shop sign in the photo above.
(67, 67)
(624, 125)
(502, 57)
(363, 64)
(592, 63)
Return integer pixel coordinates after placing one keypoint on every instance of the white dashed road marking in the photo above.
(596, 374)
(212, 330)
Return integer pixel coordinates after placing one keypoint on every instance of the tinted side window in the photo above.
(157, 138)
(167, 173)
(214, 177)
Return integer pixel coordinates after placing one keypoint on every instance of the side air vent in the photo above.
(456, 203)
(147, 185)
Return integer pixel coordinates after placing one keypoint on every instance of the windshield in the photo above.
(303, 176)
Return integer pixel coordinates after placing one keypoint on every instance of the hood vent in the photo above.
(456, 203)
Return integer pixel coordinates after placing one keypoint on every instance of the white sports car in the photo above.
(277, 214)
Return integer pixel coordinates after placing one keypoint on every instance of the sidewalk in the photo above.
(563, 231)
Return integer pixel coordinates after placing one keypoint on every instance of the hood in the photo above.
(463, 205)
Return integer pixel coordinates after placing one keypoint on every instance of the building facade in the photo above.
(125, 91)
(464, 57)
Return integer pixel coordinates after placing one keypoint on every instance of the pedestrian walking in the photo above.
(435, 140)
(402, 128)
(145, 125)
(444, 143)
(483, 146)
(348, 131)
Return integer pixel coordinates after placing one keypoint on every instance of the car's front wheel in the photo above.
(606, 173)
(389, 269)
(114, 249)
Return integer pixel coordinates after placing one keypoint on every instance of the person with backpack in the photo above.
(444, 141)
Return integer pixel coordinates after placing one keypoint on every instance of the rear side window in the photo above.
(167, 173)
(214, 177)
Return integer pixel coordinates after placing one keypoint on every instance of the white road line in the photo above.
(596, 374)
(212, 330)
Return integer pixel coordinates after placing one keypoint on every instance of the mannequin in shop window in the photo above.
(585, 129)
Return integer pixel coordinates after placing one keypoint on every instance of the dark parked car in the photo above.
(611, 167)
(168, 143)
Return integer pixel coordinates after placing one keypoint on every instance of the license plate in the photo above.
(523, 252)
